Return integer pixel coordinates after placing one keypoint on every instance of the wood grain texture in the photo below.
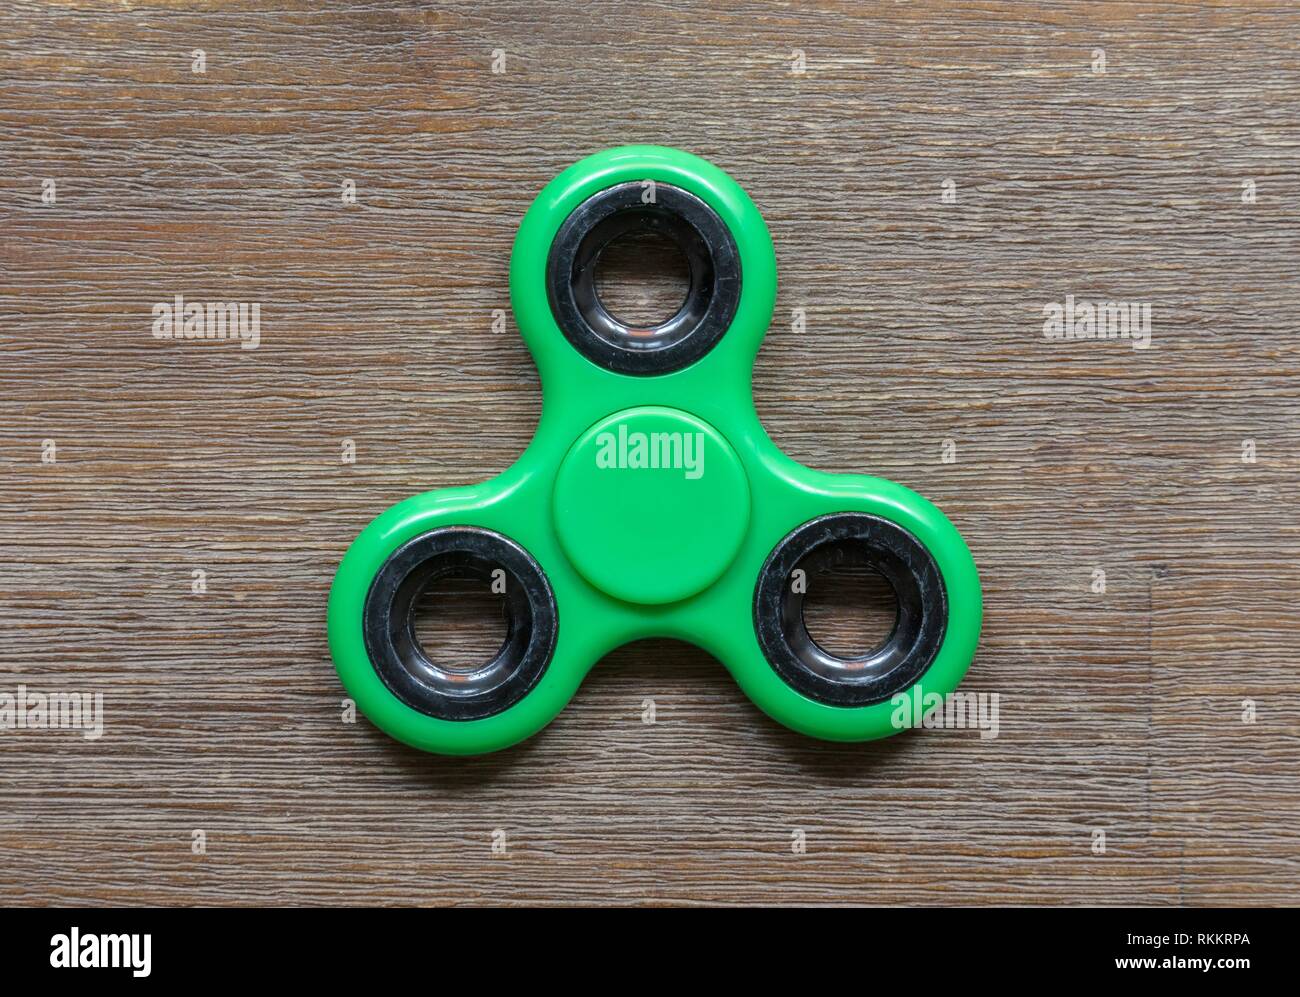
(1120, 711)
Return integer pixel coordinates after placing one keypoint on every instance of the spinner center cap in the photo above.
(651, 504)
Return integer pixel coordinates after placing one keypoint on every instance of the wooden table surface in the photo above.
(1172, 178)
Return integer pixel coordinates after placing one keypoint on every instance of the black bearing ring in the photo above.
(702, 318)
(395, 653)
(906, 654)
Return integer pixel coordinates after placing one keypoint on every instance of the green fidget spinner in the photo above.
(650, 502)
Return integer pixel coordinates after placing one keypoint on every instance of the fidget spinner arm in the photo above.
(650, 501)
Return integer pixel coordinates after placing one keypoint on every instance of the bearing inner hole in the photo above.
(850, 610)
(459, 622)
(642, 278)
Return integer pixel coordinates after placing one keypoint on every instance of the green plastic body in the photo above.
(632, 555)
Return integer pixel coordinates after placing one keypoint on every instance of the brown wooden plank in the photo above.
(1119, 711)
